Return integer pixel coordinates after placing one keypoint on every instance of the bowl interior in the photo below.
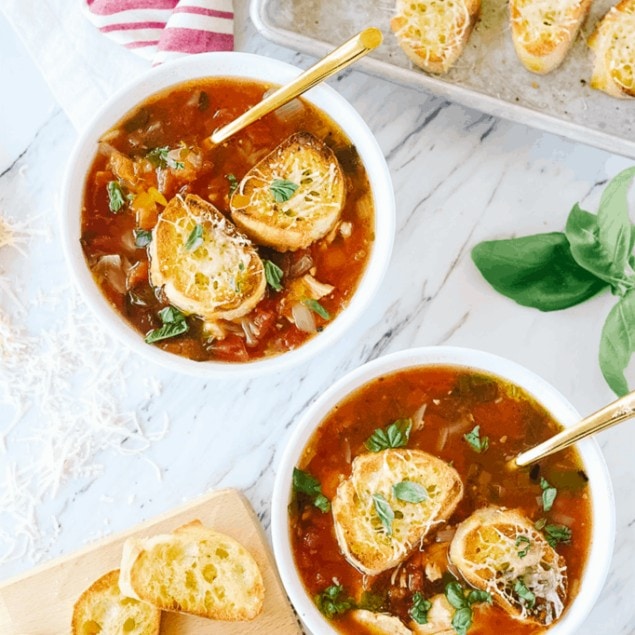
(248, 66)
(603, 512)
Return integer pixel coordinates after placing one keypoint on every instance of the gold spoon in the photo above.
(616, 412)
(342, 56)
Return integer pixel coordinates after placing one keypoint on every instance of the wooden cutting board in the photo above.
(41, 601)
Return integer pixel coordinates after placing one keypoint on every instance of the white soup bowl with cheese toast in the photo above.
(237, 259)
(395, 509)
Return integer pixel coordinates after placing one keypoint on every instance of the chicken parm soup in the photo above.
(229, 252)
(405, 517)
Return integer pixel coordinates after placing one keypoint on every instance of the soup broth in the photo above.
(162, 150)
(443, 407)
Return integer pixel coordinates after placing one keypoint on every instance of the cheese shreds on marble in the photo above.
(72, 376)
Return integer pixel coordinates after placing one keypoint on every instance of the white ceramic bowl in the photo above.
(603, 504)
(243, 65)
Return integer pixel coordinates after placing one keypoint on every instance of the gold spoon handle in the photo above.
(346, 54)
(616, 412)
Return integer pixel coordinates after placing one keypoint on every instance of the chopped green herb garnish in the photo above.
(233, 182)
(282, 190)
(409, 492)
(384, 511)
(142, 238)
(524, 543)
(419, 609)
(462, 620)
(333, 601)
(554, 534)
(526, 596)
(174, 323)
(396, 435)
(479, 597)
(316, 307)
(307, 484)
(549, 494)
(273, 274)
(477, 443)
(116, 198)
(160, 158)
(456, 596)
(195, 239)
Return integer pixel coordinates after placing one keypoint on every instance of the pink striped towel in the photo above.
(161, 30)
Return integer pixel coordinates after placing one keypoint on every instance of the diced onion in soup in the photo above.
(303, 318)
(318, 289)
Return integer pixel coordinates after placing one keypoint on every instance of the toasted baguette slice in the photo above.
(543, 31)
(433, 34)
(613, 45)
(362, 537)
(293, 197)
(204, 264)
(103, 609)
(372, 623)
(495, 548)
(193, 570)
(439, 618)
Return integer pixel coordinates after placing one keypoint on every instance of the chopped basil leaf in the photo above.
(273, 274)
(523, 540)
(233, 183)
(455, 595)
(306, 483)
(115, 196)
(316, 307)
(174, 323)
(332, 601)
(384, 511)
(409, 492)
(195, 239)
(396, 435)
(179, 165)
(282, 190)
(526, 596)
(549, 494)
(419, 609)
(540, 524)
(462, 620)
(476, 597)
(158, 157)
(142, 238)
(556, 534)
(477, 443)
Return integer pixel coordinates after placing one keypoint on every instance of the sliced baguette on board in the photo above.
(293, 197)
(543, 31)
(433, 34)
(102, 609)
(613, 45)
(193, 570)
(498, 550)
(360, 533)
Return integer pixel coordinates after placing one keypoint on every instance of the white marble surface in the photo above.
(459, 176)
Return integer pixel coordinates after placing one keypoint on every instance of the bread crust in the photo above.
(614, 51)
(358, 529)
(432, 34)
(311, 210)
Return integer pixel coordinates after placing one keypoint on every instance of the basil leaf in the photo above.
(454, 594)
(273, 274)
(549, 494)
(409, 492)
(474, 439)
(477, 597)
(316, 307)
(617, 343)
(590, 249)
(396, 435)
(523, 540)
(333, 601)
(462, 620)
(195, 239)
(116, 198)
(174, 323)
(322, 503)
(556, 534)
(158, 157)
(282, 190)
(536, 271)
(233, 183)
(419, 609)
(526, 596)
(142, 238)
(307, 484)
(384, 511)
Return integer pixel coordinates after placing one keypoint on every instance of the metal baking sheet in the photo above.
(488, 76)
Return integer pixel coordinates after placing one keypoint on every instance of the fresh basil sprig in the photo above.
(462, 601)
(557, 270)
(307, 484)
(333, 601)
(174, 323)
(395, 435)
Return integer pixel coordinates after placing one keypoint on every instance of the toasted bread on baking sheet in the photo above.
(500, 551)
(193, 570)
(613, 45)
(362, 535)
(433, 34)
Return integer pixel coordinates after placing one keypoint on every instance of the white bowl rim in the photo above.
(246, 66)
(603, 504)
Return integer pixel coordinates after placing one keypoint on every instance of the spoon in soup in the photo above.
(352, 50)
(616, 412)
